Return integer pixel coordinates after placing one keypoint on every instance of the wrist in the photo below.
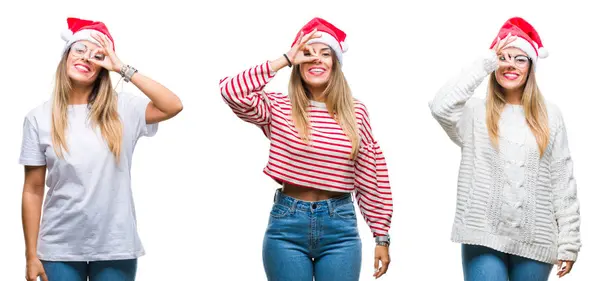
(127, 72)
(383, 240)
(30, 256)
(118, 67)
(278, 64)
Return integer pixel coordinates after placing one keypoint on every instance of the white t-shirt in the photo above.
(88, 213)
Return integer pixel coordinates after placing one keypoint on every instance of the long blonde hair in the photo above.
(533, 106)
(338, 99)
(103, 110)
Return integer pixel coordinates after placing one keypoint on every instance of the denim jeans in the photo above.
(485, 264)
(115, 270)
(312, 239)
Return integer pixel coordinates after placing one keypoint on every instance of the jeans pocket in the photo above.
(279, 211)
(345, 211)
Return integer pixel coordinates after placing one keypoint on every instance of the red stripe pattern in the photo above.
(324, 162)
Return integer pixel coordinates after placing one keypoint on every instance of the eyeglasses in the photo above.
(521, 61)
(80, 50)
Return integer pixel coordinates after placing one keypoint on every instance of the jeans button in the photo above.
(314, 206)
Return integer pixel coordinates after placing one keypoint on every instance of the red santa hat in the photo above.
(80, 29)
(330, 36)
(528, 40)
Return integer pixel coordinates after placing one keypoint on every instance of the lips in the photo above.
(82, 67)
(316, 70)
(511, 75)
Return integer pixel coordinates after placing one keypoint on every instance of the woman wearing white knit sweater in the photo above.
(517, 211)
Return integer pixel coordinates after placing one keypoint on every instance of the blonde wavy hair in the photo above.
(533, 106)
(103, 110)
(338, 99)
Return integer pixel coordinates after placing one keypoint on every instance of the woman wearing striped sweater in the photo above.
(322, 151)
(517, 211)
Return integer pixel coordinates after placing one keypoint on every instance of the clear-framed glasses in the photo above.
(521, 61)
(80, 50)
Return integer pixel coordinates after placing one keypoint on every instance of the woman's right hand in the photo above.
(35, 269)
(298, 53)
(501, 44)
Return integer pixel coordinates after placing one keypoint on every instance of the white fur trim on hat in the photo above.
(85, 34)
(526, 47)
(330, 41)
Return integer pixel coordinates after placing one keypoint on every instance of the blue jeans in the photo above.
(485, 264)
(312, 239)
(115, 270)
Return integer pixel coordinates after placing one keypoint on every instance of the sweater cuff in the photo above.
(490, 61)
(567, 256)
(271, 73)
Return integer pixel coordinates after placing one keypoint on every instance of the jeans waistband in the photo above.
(324, 205)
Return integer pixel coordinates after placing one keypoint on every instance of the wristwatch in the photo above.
(382, 240)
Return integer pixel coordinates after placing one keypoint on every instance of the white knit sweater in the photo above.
(509, 199)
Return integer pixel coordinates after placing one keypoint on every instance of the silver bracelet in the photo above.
(127, 71)
(382, 240)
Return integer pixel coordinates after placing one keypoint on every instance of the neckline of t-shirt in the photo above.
(318, 104)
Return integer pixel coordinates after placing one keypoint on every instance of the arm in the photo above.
(33, 195)
(448, 105)
(565, 202)
(244, 92)
(163, 105)
(245, 96)
(34, 160)
(373, 192)
(31, 210)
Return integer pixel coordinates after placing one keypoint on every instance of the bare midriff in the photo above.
(308, 194)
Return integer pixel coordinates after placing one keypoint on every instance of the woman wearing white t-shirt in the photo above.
(83, 138)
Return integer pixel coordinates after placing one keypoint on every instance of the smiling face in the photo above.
(79, 69)
(317, 72)
(513, 69)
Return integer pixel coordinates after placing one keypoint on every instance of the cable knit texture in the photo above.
(509, 199)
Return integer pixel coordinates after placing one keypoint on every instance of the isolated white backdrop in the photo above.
(202, 199)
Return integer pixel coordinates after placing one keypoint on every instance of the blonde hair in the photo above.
(103, 110)
(533, 106)
(338, 99)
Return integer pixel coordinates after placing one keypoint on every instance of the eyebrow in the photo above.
(513, 55)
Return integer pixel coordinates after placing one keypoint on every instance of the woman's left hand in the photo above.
(564, 270)
(382, 256)
(110, 61)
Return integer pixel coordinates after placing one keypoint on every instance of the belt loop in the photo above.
(293, 209)
(330, 207)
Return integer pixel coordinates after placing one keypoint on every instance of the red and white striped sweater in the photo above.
(323, 163)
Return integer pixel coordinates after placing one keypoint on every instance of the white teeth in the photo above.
(511, 75)
(317, 70)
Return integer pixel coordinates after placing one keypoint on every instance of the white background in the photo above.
(202, 199)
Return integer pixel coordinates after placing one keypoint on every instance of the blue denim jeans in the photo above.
(312, 239)
(485, 264)
(115, 270)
